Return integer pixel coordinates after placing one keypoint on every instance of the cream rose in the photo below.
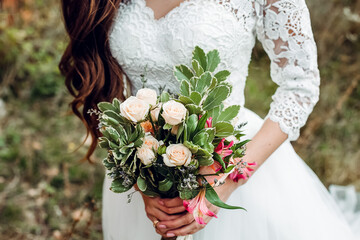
(173, 112)
(148, 95)
(134, 109)
(155, 113)
(145, 154)
(151, 142)
(177, 155)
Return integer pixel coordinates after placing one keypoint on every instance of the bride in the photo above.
(114, 44)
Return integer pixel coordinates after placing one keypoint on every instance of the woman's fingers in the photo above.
(185, 230)
(171, 202)
(183, 220)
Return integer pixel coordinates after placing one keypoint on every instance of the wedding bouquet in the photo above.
(170, 145)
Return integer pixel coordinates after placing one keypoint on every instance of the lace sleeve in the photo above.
(284, 30)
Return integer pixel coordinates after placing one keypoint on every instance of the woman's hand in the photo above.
(157, 210)
(185, 224)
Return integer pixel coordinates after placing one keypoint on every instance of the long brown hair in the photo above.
(91, 73)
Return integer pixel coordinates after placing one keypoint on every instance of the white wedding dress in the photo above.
(284, 199)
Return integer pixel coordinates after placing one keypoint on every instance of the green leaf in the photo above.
(194, 109)
(164, 97)
(191, 123)
(167, 126)
(200, 138)
(165, 185)
(222, 75)
(113, 134)
(141, 183)
(118, 187)
(185, 88)
(213, 83)
(214, 199)
(103, 143)
(216, 97)
(227, 170)
(103, 106)
(197, 67)
(204, 82)
(205, 161)
(199, 55)
(213, 60)
(185, 100)
(223, 129)
(196, 97)
(182, 72)
(180, 131)
(229, 113)
(201, 122)
(116, 103)
(218, 158)
(192, 147)
(112, 114)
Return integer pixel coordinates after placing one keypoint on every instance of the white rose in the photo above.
(173, 112)
(148, 95)
(177, 155)
(134, 109)
(151, 142)
(145, 154)
(155, 113)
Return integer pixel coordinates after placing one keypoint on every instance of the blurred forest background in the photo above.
(47, 193)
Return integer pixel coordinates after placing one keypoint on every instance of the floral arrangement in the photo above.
(169, 145)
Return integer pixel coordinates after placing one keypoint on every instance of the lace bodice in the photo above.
(145, 45)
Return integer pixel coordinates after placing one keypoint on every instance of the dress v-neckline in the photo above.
(174, 9)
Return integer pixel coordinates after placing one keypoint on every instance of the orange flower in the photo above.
(147, 126)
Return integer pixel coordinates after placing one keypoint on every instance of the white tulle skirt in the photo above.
(284, 200)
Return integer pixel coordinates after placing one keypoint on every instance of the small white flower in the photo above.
(173, 112)
(145, 154)
(151, 142)
(177, 155)
(134, 109)
(148, 95)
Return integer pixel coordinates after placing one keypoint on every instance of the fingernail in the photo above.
(162, 226)
(170, 235)
(161, 202)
